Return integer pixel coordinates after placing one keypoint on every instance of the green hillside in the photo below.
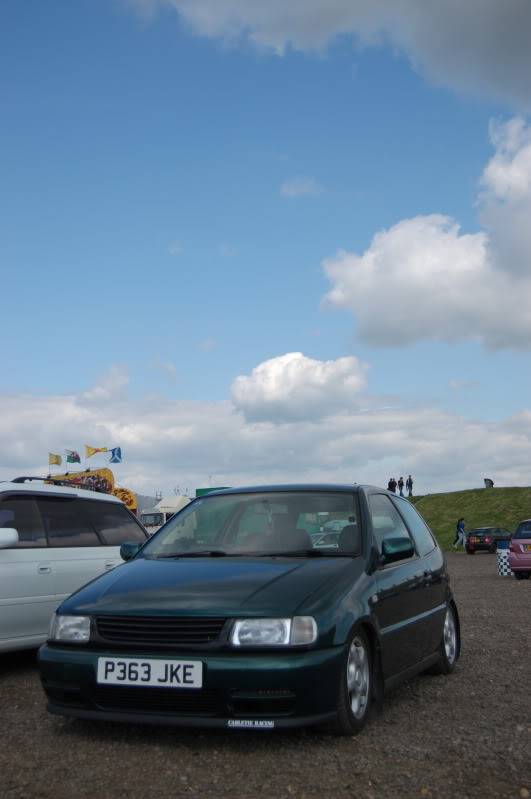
(503, 507)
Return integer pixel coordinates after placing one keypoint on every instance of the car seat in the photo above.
(289, 539)
(350, 539)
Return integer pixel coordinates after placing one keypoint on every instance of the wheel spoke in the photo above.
(450, 636)
(358, 677)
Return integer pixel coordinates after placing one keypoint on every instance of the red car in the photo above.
(520, 551)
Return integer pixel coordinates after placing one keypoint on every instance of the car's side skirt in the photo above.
(412, 671)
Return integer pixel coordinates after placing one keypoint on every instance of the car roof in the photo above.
(262, 489)
(34, 487)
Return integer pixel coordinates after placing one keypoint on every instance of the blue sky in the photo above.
(147, 226)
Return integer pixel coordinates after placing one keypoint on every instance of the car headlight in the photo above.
(298, 631)
(75, 629)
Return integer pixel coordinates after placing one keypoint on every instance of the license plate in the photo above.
(527, 547)
(150, 672)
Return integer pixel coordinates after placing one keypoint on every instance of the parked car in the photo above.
(53, 539)
(486, 539)
(255, 628)
(520, 551)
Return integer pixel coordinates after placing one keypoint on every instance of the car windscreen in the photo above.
(523, 530)
(287, 523)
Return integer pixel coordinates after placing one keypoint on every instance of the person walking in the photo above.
(460, 535)
(391, 486)
(409, 486)
(401, 486)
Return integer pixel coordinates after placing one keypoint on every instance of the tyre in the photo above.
(471, 552)
(521, 575)
(450, 646)
(355, 686)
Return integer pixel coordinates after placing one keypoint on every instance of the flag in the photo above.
(54, 460)
(72, 456)
(116, 455)
(90, 451)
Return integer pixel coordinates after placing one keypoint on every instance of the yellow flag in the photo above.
(54, 460)
(90, 451)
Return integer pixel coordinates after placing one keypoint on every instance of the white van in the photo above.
(53, 540)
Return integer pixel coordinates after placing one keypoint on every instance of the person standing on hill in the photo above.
(460, 536)
(409, 486)
(391, 486)
(401, 486)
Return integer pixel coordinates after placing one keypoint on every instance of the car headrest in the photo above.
(288, 540)
(350, 539)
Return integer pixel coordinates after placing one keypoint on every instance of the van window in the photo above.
(66, 523)
(22, 514)
(113, 522)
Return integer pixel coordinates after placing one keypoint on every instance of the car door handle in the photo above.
(44, 568)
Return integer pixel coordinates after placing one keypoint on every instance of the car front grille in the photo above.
(159, 630)
(186, 702)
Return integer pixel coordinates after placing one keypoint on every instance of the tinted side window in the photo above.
(113, 522)
(66, 524)
(419, 530)
(386, 521)
(22, 514)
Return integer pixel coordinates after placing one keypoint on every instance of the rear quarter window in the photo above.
(420, 531)
(114, 523)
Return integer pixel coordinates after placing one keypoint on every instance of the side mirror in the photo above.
(129, 549)
(8, 537)
(397, 549)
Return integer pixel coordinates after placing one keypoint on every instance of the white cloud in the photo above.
(208, 344)
(175, 248)
(227, 250)
(463, 385)
(424, 279)
(169, 442)
(300, 187)
(293, 386)
(478, 45)
(167, 367)
(109, 386)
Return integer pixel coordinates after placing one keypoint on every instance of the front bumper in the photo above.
(240, 690)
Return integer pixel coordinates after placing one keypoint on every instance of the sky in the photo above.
(267, 242)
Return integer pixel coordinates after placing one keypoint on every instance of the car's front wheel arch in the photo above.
(376, 663)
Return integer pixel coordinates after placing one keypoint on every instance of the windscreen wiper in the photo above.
(310, 553)
(201, 553)
(298, 553)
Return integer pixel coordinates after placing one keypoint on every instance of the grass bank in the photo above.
(500, 507)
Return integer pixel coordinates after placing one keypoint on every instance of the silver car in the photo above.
(53, 540)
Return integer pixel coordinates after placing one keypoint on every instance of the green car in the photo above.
(233, 616)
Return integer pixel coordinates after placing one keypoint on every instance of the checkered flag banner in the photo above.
(502, 556)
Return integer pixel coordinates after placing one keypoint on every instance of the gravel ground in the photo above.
(467, 735)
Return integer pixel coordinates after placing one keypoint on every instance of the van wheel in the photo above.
(355, 686)
(521, 575)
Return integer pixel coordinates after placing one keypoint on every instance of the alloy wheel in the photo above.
(358, 679)
(450, 636)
